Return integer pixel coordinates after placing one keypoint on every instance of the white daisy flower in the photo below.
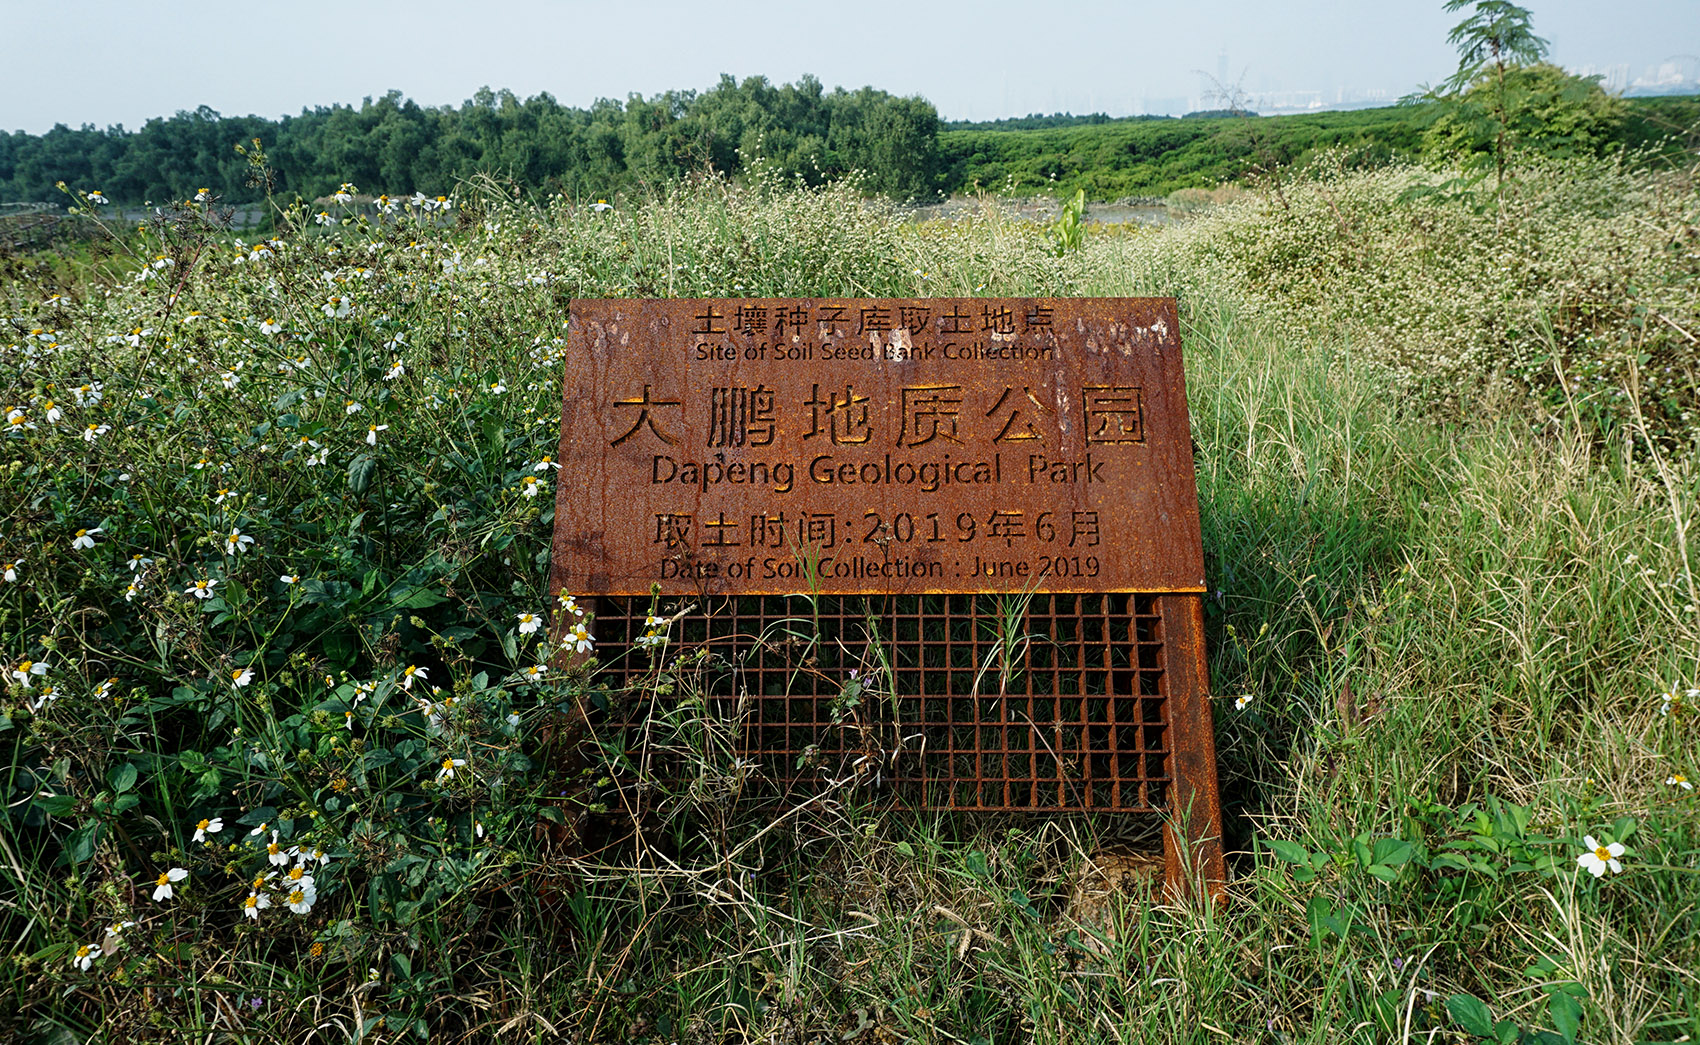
(163, 884)
(1599, 857)
(25, 672)
(86, 954)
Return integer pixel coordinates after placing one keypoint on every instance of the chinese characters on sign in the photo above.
(892, 445)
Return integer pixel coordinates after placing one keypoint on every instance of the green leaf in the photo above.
(1391, 852)
(360, 473)
(79, 847)
(1472, 1014)
(1566, 1013)
(415, 597)
(122, 777)
(56, 805)
(1386, 874)
(1623, 828)
(1292, 852)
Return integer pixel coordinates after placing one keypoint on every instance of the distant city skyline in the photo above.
(109, 63)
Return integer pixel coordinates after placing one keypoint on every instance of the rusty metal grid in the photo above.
(1079, 721)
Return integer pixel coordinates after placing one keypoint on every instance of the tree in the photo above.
(1546, 110)
(1494, 39)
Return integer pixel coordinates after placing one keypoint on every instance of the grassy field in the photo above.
(286, 760)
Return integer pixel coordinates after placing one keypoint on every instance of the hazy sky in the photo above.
(104, 62)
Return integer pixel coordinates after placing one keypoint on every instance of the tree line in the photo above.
(901, 147)
(393, 144)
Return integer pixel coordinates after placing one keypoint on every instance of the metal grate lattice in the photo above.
(1057, 701)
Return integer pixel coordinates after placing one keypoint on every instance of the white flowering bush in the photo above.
(272, 510)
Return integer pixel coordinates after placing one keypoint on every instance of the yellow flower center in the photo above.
(296, 896)
(164, 878)
(25, 666)
(1602, 853)
(81, 532)
(449, 764)
(83, 951)
(252, 901)
(203, 825)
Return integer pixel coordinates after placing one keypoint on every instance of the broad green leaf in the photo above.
(360, 473)
(79, 847)
(1472, 1014)
(56, 805)
(122, 777)
(1292, 852)
(1391, 852)
(1566, 1013)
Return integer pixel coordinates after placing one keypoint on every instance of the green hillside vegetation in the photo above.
(642, 145)
(1156, 157)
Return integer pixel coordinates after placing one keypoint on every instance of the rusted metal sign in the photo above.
(909, 462)
(900, 446)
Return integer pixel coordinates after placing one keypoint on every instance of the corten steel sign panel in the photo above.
(876, 446)
(927, 454)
